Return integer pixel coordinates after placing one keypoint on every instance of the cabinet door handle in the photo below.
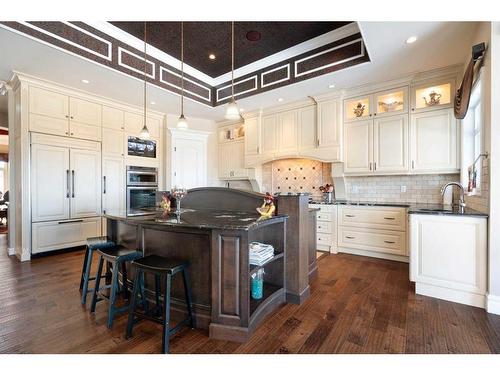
(317, 143)
(389, 242)
(375, 166)
(350, 237)
(347, 215)
(73, 183)
(67, 183)
(370, 166)
(389, 218)
(413, 164)
(70, 222)
(104, 184)
(66, 116)
(258, 149)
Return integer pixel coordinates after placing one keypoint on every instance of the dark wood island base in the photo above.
(216, 243)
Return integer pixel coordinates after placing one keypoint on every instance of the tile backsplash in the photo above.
(305, 175)
(404, 189)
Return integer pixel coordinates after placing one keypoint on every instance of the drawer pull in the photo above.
(350, 237)
(70, 222)
(347, 215)
(389, 218)
(389, 242)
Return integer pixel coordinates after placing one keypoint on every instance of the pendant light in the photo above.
(182, 122)
(232, 111)
(145, 131)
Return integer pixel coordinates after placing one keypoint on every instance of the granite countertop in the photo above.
(413, 208)
(200, 218)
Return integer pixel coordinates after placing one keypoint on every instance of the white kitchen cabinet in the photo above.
(232, 160)
(432, 94)
(59, 114)
(390, 102)
(287, 134)
(252, 136)
(326, 227)
(329, 127)
(269, 138)
(48, 103)
(378, 231)
(433, 142)
(85, 172)
(448, 257)
(308, 140)
(358, 147)
(113, 184)
(113, 142)
(113, 118)
(390, 144)
(55, 235)
(85, 112)
(358, 108)
(50, 182)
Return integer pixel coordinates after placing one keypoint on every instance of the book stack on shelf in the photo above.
(260, 253)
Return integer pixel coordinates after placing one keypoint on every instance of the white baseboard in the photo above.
(374, 254)
(453, 295)
(493, 304)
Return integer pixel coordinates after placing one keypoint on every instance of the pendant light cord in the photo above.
(145, 62)
(182, 68)
(232, 60)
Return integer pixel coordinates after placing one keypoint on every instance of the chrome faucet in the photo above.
(461, 202)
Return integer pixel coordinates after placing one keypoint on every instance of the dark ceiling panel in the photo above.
(204, 38)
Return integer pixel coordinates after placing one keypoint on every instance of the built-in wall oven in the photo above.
(142, 185)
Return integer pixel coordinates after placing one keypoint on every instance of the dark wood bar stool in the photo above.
(162, 268)
(118, 256)
(93, 243)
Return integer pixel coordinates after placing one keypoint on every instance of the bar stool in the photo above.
(93, 243)
(117, 256)
(162, 268)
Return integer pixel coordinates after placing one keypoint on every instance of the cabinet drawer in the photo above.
(382, 241)
(324, 216)
(324, 227)
(373, 217)
(54, 235)
(324, 239)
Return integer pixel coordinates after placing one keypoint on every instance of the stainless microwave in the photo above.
(142, 176)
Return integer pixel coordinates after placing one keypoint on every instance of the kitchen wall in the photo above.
(419, 188)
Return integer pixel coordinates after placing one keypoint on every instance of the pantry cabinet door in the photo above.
(225, 156)
(112, 142)
(85, 112)
(113, 184)
(85, 168)
(287, 133)
(269, 134)
(358, 147)
(50, 183)
(390, 144)
(252, 136)
(113, 118)
(434, 146)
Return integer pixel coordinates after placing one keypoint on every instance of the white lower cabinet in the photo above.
(55, 235)
(326, 227)
(377, 231)
(448, 257)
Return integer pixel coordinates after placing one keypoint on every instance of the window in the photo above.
(472, 130)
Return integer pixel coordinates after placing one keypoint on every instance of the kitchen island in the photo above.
(216, 243)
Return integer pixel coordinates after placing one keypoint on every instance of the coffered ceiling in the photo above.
(253, 40)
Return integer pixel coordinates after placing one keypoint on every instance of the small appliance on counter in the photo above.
(142, 185)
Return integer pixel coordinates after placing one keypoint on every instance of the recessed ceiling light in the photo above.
(85, 81)
(152, 103)
(211, 56)
(411, 39)
(280, 99)
(331, 86)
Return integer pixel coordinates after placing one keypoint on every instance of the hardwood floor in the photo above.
(357, 305)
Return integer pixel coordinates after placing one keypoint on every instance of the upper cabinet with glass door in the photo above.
(432, 95)
(357, 108)
(390, 102)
